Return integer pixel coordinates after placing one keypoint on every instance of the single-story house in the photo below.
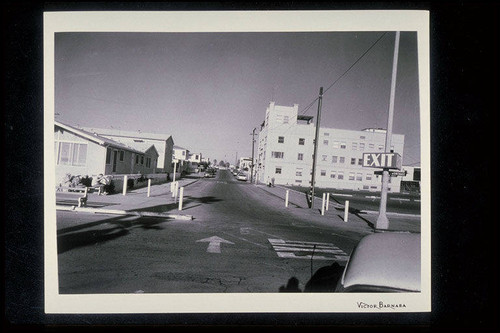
(79, 152)
(163, 143)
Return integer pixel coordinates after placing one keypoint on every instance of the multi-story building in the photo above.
(286, 147)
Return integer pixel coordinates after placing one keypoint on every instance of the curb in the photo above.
(123, 212)
(390, 213)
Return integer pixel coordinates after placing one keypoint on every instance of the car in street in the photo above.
(241, 176)
(383, 262)
(210, 173)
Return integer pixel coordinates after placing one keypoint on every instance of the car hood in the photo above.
(385, 260)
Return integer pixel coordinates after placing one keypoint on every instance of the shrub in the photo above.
(130, 184)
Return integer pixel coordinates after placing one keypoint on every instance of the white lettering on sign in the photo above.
(381, 160)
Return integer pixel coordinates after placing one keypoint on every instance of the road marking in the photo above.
(400, 199)
(307, 250)
(371, 197)
(341, 195)
(214, 243)
(244, 231)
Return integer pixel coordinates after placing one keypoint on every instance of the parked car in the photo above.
(241, 176)
(383, 262)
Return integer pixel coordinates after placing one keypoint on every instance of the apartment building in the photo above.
(286, 147)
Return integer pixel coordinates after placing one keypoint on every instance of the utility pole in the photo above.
(382, 221)
(316, 146)
(251, 165)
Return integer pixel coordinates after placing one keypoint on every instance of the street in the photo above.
(242, 239)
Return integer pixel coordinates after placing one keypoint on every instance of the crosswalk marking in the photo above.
(307, 250)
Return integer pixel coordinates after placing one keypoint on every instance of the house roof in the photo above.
(181, 148)
(101, 140)
(129, 134)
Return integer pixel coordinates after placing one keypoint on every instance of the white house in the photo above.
(79, 152)
(162, 142)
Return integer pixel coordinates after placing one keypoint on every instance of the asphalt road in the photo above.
(241, 240)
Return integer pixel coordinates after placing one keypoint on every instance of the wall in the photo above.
(95, 161)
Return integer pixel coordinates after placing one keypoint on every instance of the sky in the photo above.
(210, 90)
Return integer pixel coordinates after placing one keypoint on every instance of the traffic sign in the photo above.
(382, 160)
(392, 173)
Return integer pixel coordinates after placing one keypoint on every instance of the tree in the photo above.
(215, 161)
(222, 163)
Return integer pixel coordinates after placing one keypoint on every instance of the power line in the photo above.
(347, 71)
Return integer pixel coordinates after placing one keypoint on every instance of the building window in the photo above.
(323, 173)
(371, 145)
(380, 147)
(343, 145)
(300, 156)
(136, 159)
(324, 157)
(72, 154)
(108, 156)
(360, 161)
(341, 175)
(351, 175)
(121, 155)
(142, 159)
(353, 161)
(302, 141)
(325, 142)
(278, 170)
(326, 134)
(281, 139)
(359, 177)
(365, 187)
(333, 174)
(354, 146)
(298, 181)
(334, 159)
(362, 137)
(277, 154)
(335, 144)
(183, 153)
(298, 172)
(285, 119)
(342, 159)
(368, 176)
(362, 146)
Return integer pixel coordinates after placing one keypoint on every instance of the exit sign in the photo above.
(382, 160)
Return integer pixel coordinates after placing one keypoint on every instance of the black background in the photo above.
(464, 152)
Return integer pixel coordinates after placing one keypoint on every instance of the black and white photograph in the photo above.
(267, 161)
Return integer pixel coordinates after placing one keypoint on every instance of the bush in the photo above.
(86, 181)
(130, 184)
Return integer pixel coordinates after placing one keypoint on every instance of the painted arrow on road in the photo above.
(214, 243)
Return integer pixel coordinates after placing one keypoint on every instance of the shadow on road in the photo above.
(203, 200)
(324, 280)
(86, 234)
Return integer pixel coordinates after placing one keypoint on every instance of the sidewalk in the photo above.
(356, 219)
(160, 202)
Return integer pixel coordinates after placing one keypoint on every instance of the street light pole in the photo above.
(251, 165)
(316, 146)
(382, 221)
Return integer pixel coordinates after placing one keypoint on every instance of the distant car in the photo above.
(241, 176)
(235, 172)
(383, 262)
(210, 173)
